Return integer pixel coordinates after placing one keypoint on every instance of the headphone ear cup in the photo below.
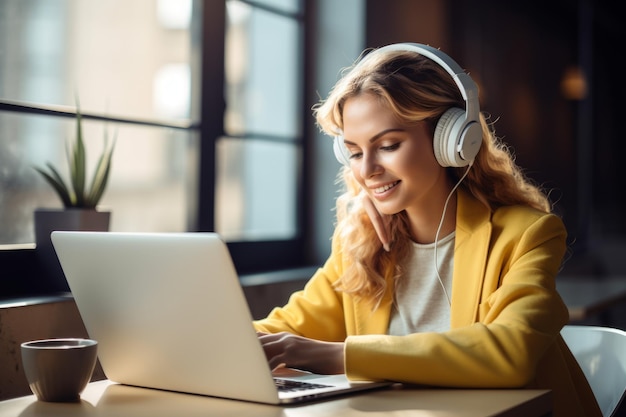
(447, 136)
(341, 152)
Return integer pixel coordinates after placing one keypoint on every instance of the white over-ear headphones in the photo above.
(458, 134)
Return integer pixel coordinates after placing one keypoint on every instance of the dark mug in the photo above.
(58, 370)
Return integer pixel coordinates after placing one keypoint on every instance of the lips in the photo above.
(384, 188)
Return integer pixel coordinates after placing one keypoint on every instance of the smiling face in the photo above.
(392, 161)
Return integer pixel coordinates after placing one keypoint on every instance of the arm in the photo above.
(308, 332)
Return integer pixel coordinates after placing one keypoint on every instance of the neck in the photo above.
(425, 222)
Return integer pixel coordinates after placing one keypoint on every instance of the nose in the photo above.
(369, 165)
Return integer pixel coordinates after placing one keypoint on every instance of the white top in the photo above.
(420, 303)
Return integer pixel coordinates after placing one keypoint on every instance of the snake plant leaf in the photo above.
(100, 178)
(77, 162)
(74, 193)
(66, 189)
(55, 180)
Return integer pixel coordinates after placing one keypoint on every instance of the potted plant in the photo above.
(79, 199)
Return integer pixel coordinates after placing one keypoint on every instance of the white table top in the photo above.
(104, 398)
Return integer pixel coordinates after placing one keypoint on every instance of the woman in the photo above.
(444, 255)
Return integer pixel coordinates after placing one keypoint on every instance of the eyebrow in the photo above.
(376, 136)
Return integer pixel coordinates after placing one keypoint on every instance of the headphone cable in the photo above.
(443, 215)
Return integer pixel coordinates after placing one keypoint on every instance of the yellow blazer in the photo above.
(505, 317)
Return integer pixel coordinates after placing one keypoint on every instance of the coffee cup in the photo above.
(58, 370)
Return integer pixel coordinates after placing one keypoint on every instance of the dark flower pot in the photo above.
(49, 220)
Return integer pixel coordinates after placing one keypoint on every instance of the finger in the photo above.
(380, 225)
(279, 366)
(276, 364)
(271, 337)
(273, 345)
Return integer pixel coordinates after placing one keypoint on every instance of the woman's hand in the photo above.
(380, 221)
(286, 349)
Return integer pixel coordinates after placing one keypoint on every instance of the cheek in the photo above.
(425, 157)
(419, 165)
(356, 174)
(410, 162)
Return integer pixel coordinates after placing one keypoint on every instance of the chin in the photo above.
(389, 211)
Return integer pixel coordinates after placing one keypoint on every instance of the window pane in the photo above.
(120, 57)
(152, 172)
(256, 189)
(262, 72)
(127, 59)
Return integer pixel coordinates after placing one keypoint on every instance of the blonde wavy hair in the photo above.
(416, 89)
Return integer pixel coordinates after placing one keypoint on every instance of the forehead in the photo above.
(366, 112)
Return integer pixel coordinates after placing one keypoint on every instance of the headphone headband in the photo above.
(467, 86)
(458, 134)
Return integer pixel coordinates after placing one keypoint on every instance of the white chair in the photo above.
(601, 353)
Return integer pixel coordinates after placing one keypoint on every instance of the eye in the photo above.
(355, 155)
(354, 152)
(390, 148)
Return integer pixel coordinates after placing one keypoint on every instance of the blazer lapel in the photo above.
(473, 234)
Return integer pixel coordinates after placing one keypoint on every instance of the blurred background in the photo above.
(210, 102)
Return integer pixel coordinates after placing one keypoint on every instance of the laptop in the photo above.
(168, 312)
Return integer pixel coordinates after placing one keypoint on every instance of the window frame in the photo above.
(248, 256)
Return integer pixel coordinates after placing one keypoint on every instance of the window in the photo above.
(204, 99)
(57, 52)
(257, 157)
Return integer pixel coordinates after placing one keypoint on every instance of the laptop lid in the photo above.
(168, 312)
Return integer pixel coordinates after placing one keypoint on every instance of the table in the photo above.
(586, 296)
(105, 398)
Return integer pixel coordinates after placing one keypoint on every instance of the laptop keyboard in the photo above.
(286, 385)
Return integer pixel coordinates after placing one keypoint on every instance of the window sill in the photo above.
(247, 281)
(35, 300)
(277, 277)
